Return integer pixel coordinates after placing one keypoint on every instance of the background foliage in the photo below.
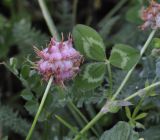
(21, 88)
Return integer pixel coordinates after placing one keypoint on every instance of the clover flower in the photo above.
(151, 16)
(59, 60)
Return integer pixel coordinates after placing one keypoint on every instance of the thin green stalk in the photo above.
(40, 108)
(142, 91)
(100, 114)
(78, 119)
(73, 129)
(110, 76)
(82, 116)
(77, 110)
(46, 131)
(137, 108)
(75, 2)
(89, 125)
(131, 70)
(112, 12)
(48, 19)
(71, 109)
(91, 111)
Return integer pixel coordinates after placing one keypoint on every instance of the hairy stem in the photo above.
(39, 109)
(142, 91)
(89, 125)
(131, 70)
(110, 77)
(73, 129)
(75, 115)
(82, 116)
(48, 19)
(100, 114)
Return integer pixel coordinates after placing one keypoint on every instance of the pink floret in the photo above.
(60, 60)
(151, 16)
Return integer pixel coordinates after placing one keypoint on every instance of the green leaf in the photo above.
(133, 16)
(13, 62)
(27, 95)
(89, 42)
(128, 112)
(11, 121)
(25, 71)
(121, 131)
(139, 125)
(92, 76)
(114, 106)
(25, 35)
(13, 65)
(124, 57)
(140, 116)
(32, 106)
(156, 43)
(152, 133)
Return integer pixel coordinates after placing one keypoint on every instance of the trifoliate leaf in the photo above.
(89, 42)
(124, 57)
(92, 76)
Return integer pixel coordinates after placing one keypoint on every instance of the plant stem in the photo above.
(100, 114)
(91, 111)
(138, 107)
(131, 70)
(40, 108)
(75, 115)
(89, 125)
(46, 133)
(71, 109)
(73, 129)
(112, 12)
(75, 2)
(82, 116)
(147, 42)
(142, 91)
(110, 76)
(48, 19)
(77, 110)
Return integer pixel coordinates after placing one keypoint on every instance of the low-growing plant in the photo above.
(90, 78)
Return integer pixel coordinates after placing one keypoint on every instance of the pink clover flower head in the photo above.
(151, 16)
(59, 60)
